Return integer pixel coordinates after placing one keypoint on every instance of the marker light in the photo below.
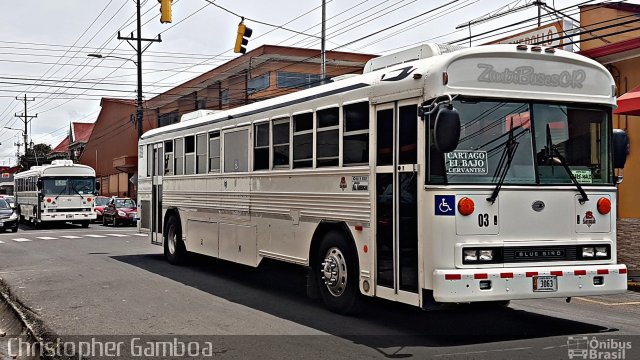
(466, 206)
(48, 200)
(89, 199)
(604, 205)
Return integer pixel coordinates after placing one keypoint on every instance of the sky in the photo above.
(44, 46)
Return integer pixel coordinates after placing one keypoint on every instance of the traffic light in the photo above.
(242, 39)
(165, 11)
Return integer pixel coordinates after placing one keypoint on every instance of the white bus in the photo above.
(439, 175)
(61, 191)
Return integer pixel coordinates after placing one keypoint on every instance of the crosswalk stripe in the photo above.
(95, 236)
(21, 240)
(1, 242)
(117, 235)
(145, 235)
(46, 238)
(70, 237)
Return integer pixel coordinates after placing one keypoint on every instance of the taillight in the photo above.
(466, 206)
(604, 205)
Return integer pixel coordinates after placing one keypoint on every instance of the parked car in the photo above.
(120, 211)
(101, 202)
(8, 216)
(10, 199)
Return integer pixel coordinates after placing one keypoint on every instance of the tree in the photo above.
(34, 156)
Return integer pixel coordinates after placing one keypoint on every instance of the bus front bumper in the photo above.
(471, 285)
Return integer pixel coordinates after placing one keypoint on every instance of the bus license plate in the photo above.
(545, 283)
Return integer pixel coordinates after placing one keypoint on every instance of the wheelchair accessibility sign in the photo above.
(445, 205)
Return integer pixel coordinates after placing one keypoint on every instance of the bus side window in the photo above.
(355, 147)
(261, 146)
(178, 151)
(303, 140)
(214, 151)
(281, 143)
(201, 153)
(236, 151)
(168, 157)
(190, 155)
(328, 137)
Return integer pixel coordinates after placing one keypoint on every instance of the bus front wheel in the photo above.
(174, 249)
(337, 272)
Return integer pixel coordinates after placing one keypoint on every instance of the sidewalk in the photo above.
(629, 244)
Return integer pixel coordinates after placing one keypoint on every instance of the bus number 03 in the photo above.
(483, 220)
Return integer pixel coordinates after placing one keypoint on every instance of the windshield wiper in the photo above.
(510, 147)
(63, 190)
(551, 152)
(77, 192)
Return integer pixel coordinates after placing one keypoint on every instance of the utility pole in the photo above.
(139, 50)
(26, 119)
(323, 55)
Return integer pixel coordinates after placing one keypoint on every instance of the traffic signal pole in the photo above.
(139, 50)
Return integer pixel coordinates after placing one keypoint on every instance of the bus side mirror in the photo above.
(446, 129)
(620, 148)
(39, 184)
(97, 185)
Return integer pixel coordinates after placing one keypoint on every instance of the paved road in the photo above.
(107, 281)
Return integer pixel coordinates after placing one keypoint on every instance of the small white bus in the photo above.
(439, 175)
(61, 191)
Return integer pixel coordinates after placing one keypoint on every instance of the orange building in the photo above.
(610, 36)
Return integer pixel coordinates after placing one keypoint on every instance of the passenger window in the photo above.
(328, 137)
(168, 157)
(408, 132)
(261, 147)
(281, 143)
(214, 152)
(149, 159)
(190, 155)
(178, 151)
(303, 140)
(201, 153)
(355, 147)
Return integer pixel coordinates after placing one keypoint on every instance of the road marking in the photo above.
(117, 235)
(21, 240)
(484, 351)
(145, 235)
(95, 236)
(70, 237)
(609, 303)
(1, 242)
(46, 238)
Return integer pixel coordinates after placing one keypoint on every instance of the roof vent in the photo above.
(416, 53)
(62, 162)
(197, 114)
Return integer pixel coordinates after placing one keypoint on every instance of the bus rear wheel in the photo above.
(337, 273)
(174, 249)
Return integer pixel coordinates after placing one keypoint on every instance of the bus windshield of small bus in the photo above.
(68, 186)
(546, 136)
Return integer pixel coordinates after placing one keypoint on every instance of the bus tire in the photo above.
(174, 249)
(336, 268)
(85, 224)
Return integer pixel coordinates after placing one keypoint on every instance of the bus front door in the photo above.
(396, 201)
(156, 194)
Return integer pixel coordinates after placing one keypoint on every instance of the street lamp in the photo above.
(139, 109)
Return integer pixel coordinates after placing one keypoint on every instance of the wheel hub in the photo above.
(334, 271)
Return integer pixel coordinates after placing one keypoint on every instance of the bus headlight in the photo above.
(486, 255)
(602, 251)
(470, 255)
(587, 252)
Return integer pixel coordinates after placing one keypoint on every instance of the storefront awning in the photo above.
(629, 103)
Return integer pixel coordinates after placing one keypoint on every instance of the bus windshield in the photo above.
(546, 136)
(68, 186)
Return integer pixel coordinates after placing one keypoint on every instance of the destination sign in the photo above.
(466, 162)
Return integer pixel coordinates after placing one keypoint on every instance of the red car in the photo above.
(101, 202)
(120, 211)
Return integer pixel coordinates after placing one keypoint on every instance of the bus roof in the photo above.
(58, 168)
